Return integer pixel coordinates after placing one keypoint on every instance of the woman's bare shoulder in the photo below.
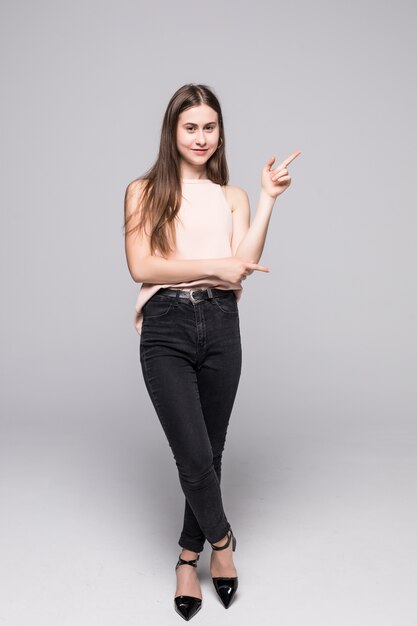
(234, 195)
(133, 196)
(135, 186)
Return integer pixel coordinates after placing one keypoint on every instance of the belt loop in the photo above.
(177, 295)
(210, 295)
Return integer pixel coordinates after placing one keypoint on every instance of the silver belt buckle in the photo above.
(193, 300)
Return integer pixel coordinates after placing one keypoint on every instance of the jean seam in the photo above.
(171, 304)
(154, 395)
(235, 312)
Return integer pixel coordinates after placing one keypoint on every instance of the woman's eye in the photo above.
(191, 128)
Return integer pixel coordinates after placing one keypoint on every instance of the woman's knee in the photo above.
(196, 469)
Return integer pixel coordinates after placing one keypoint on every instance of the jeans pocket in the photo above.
(157, 306)
(227, 304)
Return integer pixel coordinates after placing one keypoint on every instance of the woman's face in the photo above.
(197, 137)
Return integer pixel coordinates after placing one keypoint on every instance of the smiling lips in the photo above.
(200, 151)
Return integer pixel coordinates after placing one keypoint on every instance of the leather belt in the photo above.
(196, 295)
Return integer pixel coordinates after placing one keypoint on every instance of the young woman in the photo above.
(190, 243)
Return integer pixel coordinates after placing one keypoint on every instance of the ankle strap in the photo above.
(227, 542)
(192, 562)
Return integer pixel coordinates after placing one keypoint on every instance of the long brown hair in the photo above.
(161, 192)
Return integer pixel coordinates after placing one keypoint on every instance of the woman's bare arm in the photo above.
(145, 268)
(249, 239)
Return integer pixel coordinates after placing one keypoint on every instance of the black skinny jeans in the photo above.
(191, 359)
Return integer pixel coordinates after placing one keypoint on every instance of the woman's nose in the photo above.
(201, 139)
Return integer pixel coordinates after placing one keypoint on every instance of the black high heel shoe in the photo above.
(187, 606)
(226, 586)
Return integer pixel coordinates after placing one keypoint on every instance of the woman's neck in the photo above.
(190, 174)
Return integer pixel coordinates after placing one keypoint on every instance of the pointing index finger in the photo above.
(288, 160)
(258, 266)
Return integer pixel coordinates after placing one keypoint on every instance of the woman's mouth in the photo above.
(200, 151)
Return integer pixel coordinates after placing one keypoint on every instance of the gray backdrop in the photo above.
(320, 464)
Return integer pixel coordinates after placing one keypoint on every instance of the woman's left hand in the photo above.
(275, 181)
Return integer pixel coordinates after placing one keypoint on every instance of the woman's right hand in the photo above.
(234, 269)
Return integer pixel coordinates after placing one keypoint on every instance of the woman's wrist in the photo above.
(210, 268)
(265, 197)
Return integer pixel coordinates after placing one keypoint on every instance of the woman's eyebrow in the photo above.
(193, 123)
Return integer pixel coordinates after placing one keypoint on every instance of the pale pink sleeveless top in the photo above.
(203, 231)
